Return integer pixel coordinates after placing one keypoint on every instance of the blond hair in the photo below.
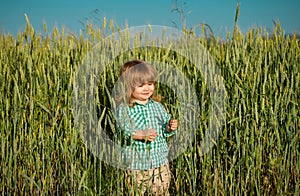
(135, 73)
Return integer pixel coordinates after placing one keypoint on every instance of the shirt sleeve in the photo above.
(125, 125)
(166, 118)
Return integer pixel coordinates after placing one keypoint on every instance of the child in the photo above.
(146, 125)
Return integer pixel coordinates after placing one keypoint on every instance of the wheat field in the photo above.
(257, 151)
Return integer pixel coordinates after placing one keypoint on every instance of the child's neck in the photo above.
(143, 102)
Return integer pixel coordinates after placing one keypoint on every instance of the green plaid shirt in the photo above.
(144, 155)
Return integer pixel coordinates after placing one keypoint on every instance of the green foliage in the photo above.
(257, 151)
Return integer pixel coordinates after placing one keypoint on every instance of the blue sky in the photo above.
(219, 14)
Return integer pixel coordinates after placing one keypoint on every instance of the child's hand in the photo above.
(147, 135)
(173, 124)
(150, 135)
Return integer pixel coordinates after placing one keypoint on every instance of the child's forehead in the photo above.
(146, 82)
(143, 83)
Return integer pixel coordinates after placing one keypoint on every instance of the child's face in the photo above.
(143, 92)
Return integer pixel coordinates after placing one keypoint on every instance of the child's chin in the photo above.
(145, 98)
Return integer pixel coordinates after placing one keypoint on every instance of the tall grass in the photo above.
(257, 151)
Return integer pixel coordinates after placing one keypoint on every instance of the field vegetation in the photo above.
(257, 151)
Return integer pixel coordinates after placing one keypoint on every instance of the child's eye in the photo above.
(147, 83)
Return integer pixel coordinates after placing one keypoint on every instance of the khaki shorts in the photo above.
(155, 181)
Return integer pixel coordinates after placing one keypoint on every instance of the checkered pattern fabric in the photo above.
(144, 155)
